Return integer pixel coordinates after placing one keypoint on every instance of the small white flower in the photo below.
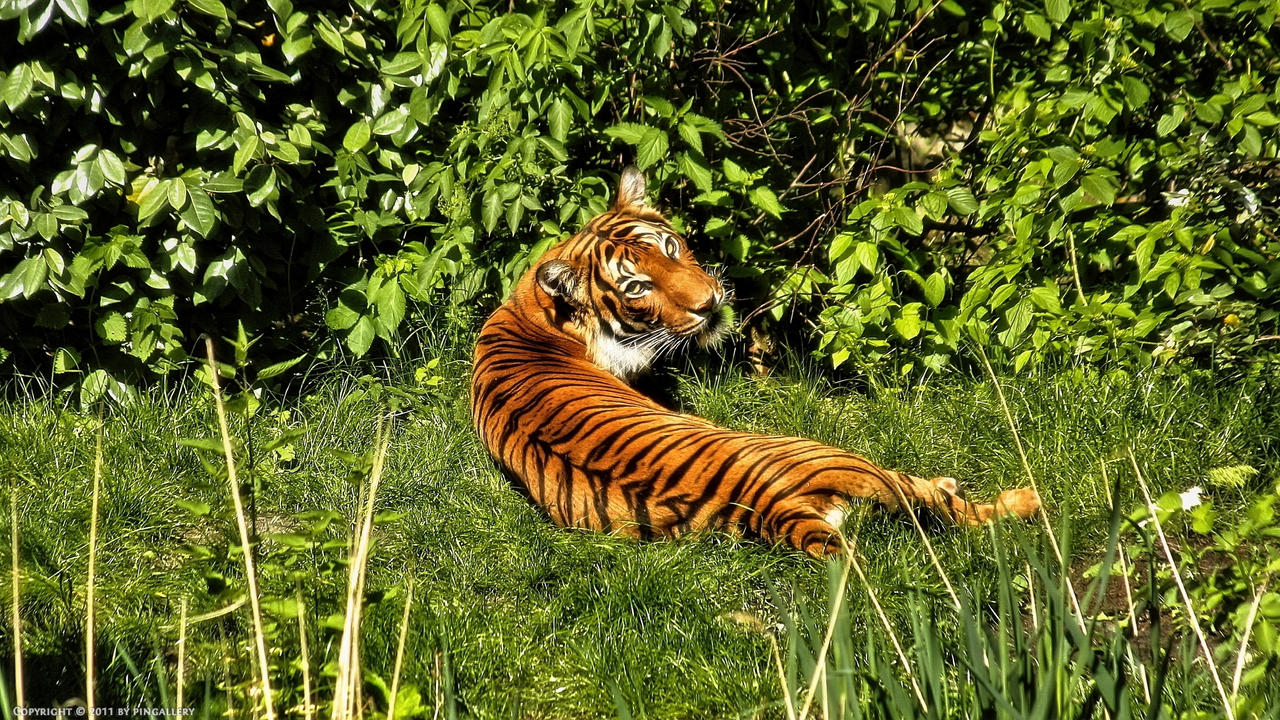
(1191, 497)
(1251, 204)
(1177, 198)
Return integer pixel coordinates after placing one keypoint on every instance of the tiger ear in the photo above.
(631, 189)
(557, 279)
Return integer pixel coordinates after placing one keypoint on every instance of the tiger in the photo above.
(553, 403)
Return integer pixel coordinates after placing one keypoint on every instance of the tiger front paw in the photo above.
(1023, 502)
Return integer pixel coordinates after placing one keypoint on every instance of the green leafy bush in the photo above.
(1050, 179)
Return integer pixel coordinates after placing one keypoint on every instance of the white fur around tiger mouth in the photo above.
(624, 360)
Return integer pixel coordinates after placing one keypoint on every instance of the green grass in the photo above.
(513, 617)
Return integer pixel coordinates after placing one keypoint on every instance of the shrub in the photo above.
(1048, 179)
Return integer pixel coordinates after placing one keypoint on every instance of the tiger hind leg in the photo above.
(804, 528)
(811, 522)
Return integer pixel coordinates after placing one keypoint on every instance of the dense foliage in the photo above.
(1049, 179)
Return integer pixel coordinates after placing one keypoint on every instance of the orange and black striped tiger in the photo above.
(550, 400)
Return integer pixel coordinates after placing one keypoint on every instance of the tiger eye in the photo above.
(635, 288)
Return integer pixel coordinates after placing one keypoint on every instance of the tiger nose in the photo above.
(713, 301)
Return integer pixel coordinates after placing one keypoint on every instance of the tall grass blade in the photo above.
(837, 602)
(788, 692)
(1133, 627)
(90, 613)
(1242, 655)
(852, 563)
(16, 580)
(1182, 590)
(182, 654)
(250, 572)
(399, 664)
(5, 702)
(157, 663)
(139, 677)
(346, 702)
(1026, 465)
(304, 652)
(928, 546)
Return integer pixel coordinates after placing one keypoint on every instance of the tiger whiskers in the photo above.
(645, 340)
(659, 342)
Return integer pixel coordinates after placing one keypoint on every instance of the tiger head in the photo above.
(629, 288)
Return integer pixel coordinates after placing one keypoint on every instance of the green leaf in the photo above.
(1100, 184)
(1057, 10)
(249, 149)
(77, 10)
(735, 246)
(94, 386)
(1179, 24)
(1263, 118)
(357, 136)
(33, 271)
(112, 328)
(867, 255)
(695, 169)
(213, 445)
(961, 200)
(839, 247)
(260, 184)
(734, 173)
(286, 151)
(224, 183)
(279, 368)
(391, 306)
(491, 210)
(360, 339)
(389, 124)
(402, 64)
(152, 9)
(907, 324)
(200, 215)
(66, 360)
(1170, 121)
(652, 148)
(341, 317)
(1232, 476)
(17, 86)
(213, 8)
(177, 193)
(1036, 25)
(46, 225)
(689, 133)
(763, 198)
(194, 507)
(559, 119)
(1135, 91)
(153, 198)
(54, 260)
(111, 167)
(628, 132)
(1046, 298)
(437, 57)
(934, 204)
(907, 219)
(934, 287)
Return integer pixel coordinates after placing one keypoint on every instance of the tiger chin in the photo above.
(551, 402)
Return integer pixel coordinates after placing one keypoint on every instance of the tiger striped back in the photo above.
(550, 402)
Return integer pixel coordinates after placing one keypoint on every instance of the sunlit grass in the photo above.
(510, 615)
